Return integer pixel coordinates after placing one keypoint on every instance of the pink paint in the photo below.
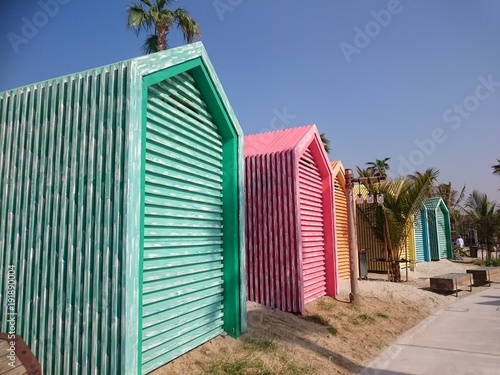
(289, 219)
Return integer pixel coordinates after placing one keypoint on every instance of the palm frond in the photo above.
(138, 18)
(326, 142)
(364, 172)
(148, 3)
(186, 24)
(161, 4)
(496, 168)
(150, 44)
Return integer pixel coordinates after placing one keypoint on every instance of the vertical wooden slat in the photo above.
(8, 191)
(15, 186)
(56, 114)
(294, 288)
(5, 130)
(74, 101)
(25, 245)
(59, 217)
(34, 256)
(21, 189)
(52, 201)
(118, 195)
(42, 259)
(104, 298)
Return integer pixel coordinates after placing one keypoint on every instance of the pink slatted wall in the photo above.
(289, 219)
(312, 228)
(271, 229)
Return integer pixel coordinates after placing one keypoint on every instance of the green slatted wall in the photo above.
(182, 290)
(441, 234)
(61, 212)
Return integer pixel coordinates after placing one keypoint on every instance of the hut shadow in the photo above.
(293, 329)
(443, 292)
(494, 302)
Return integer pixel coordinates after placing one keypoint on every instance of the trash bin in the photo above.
(363, 266)
(473, 251)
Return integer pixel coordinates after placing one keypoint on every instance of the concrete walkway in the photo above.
(464, 338)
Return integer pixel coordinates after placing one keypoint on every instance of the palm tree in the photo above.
(153, 15)
(379, 166)
(391, 222)
(496, 168)
(326, 142)
(430, 173)
(482, 214)
(364, 172)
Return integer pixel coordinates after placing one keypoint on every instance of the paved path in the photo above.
(464, 338)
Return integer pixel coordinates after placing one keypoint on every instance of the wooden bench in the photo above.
(23, 362)
(450, 282)
(482, 275)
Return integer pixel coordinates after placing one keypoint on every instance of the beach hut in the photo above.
(376, 254)
(121, 214)
(438, 228)
(289, 219)
(433, 231)
(340, 220)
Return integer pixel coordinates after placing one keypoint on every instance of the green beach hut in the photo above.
(121, 211)
(433, 231)
(439, 229)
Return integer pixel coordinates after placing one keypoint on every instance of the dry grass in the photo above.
(333, 337)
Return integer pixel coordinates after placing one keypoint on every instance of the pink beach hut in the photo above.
(289, 219)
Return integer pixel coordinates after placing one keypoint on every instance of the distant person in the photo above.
(459, 242)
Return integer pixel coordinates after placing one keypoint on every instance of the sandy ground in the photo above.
(347, 337)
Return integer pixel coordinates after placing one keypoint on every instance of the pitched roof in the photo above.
(337, 167)
(338, 172)
(433, 203)
(279, 140)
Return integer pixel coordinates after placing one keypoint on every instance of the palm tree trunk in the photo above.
(392, 264)
(161, 33)
(489, 249)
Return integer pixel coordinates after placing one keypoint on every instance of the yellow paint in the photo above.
(341, 223)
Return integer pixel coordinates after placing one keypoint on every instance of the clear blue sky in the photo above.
(416, 81)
